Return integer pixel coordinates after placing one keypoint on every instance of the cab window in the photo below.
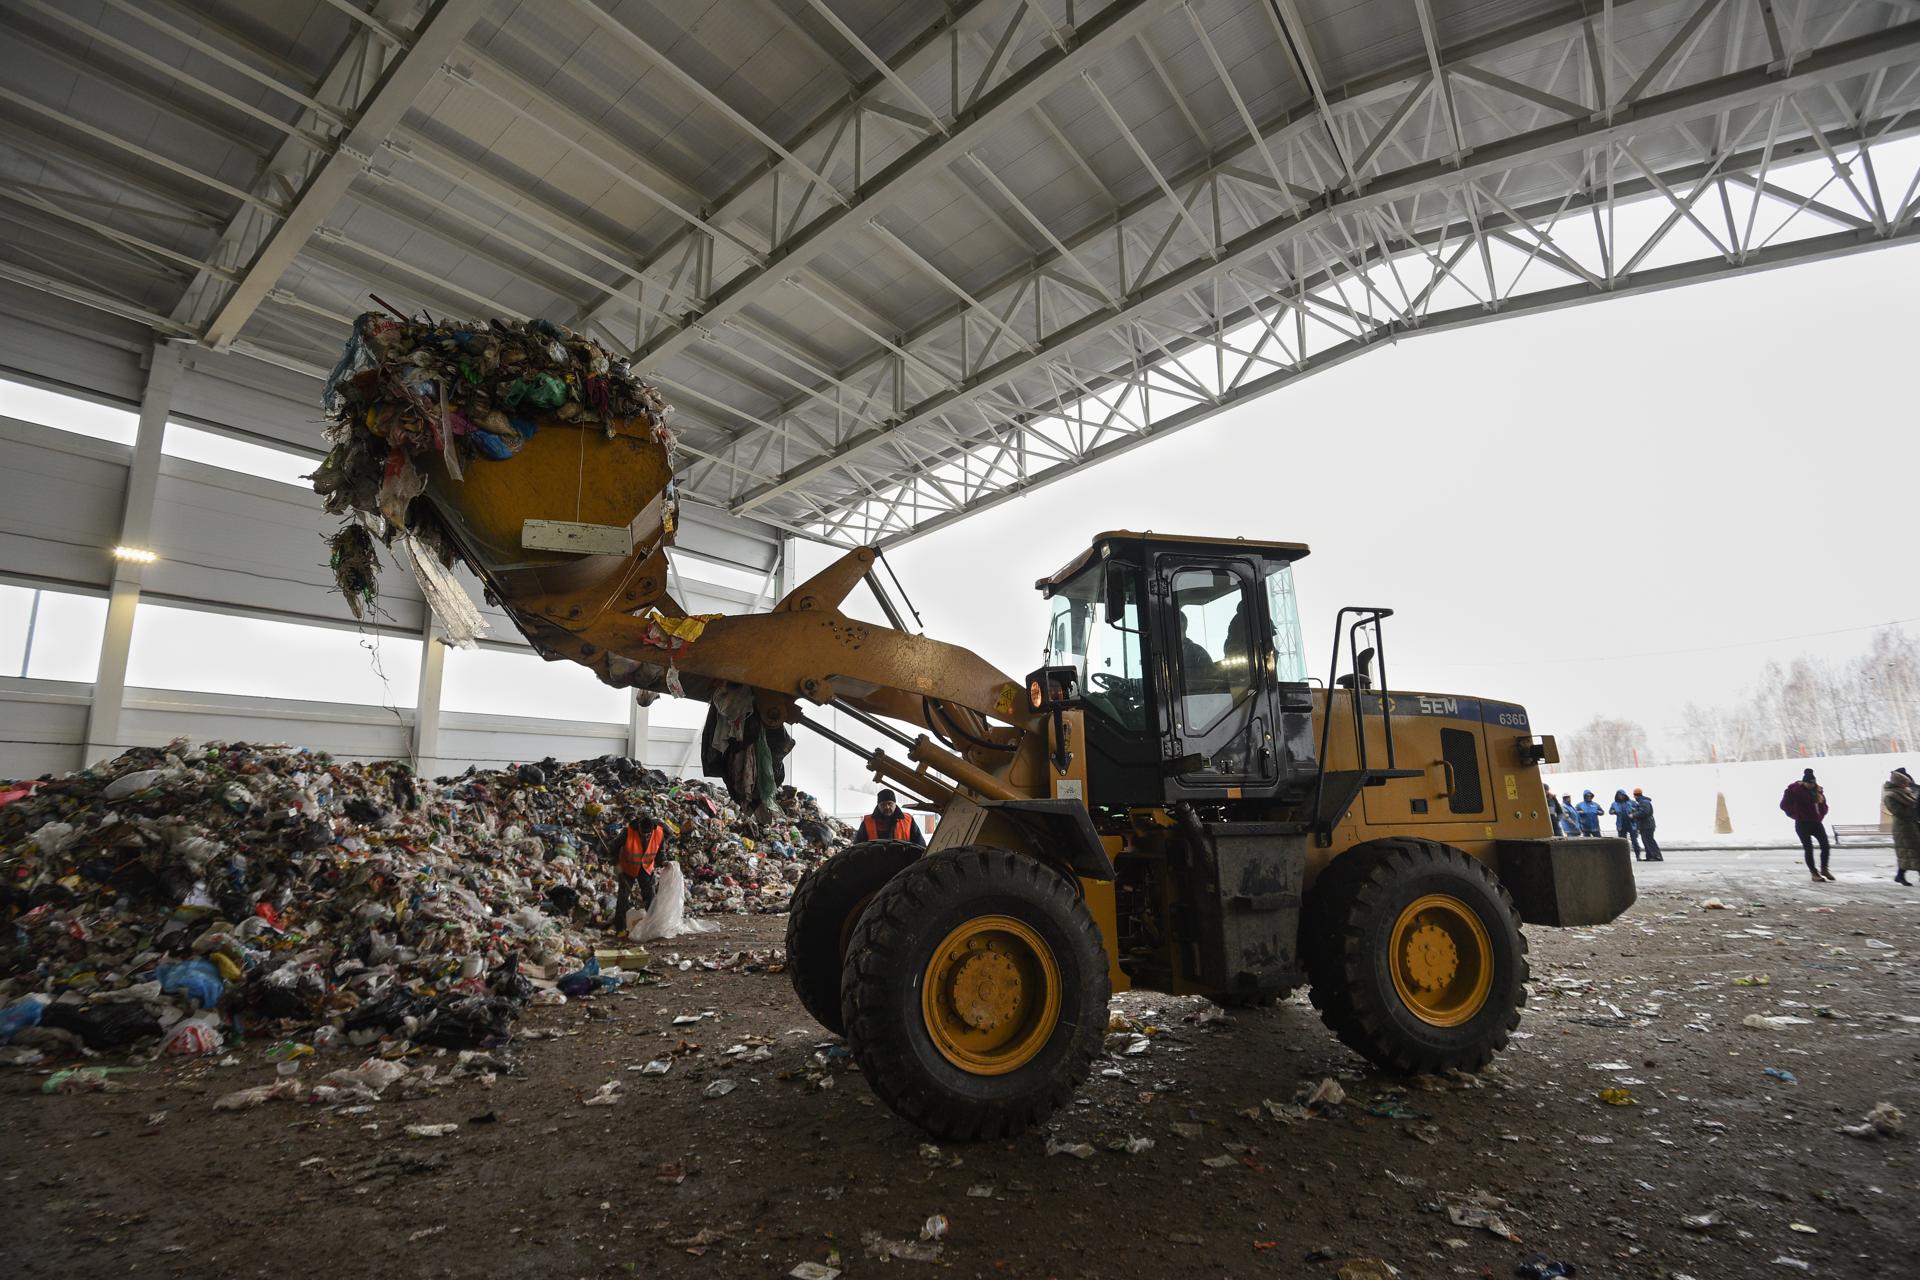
(1213, 613)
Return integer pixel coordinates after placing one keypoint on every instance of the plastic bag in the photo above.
(373, 1075)
(259, 1095)
(191, 1037)
(197, 979)
(21, 1015)
(110, 1025)
(291, 991)
(389, 1012)
(464, 1022)
(128, 784)
(667, 917)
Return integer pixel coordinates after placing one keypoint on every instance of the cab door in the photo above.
(1217, 711)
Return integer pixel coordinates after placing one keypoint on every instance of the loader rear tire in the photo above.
(975, 992)
(820, 920)
(1416, 956)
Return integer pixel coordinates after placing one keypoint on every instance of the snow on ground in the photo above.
(1683, 794)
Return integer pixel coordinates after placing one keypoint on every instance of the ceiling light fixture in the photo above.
(135, 555)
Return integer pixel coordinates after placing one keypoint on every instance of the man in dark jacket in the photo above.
(1643, 823)
(1806, 803)
(1623, 824)
(889, 821)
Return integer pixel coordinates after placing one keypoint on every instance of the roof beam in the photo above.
(1860, 56)
(747, 196)
(1091, 43)
(445, 25)
(628, 36)
(1261, 140)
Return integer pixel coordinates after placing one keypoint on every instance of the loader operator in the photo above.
(889, 821)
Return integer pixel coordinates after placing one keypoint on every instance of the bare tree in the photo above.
(1703, 730)
(1807, 707)
(1607, 744)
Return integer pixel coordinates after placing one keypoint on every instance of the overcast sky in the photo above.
(1605, 510)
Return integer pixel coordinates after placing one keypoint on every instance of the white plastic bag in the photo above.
(192, 1037)
(667, 917)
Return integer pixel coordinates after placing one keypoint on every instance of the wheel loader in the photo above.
(1171, 802)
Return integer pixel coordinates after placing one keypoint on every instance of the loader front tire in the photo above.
(1416, 956)
(825, 908)
(975, 992)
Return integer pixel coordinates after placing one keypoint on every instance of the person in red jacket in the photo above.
(889, 821)
(1806, 803)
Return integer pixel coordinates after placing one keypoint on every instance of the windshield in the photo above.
(1106, 658)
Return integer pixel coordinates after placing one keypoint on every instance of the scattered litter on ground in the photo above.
(1482, 1210)
(1327, 1093)
(1078, 1150)
(1774, 1022)
(1884, 1121)
(1368, 1269)
(881, 1248)
(1541, 1266)
(1780, 1074)
(1617, 1097)
(430, 1130)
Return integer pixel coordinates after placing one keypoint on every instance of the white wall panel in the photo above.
(60, 500)
(53, 342)
(155, 717)
(239, 540)
(42, 724)
(45, 725)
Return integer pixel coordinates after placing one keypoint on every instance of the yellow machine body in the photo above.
(1007, 764)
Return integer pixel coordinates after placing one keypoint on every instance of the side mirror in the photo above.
(1116, 593)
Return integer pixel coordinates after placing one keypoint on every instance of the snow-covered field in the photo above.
(1684, 794)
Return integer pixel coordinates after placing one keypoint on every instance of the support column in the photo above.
(426, 706)
(789, 568)
(105, 736)
(638, 718)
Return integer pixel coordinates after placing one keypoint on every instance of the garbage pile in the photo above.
(173, 896)
(411, 395)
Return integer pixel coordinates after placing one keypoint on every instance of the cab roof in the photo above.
(1287, 551)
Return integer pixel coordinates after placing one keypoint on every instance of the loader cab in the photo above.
(1185, 657)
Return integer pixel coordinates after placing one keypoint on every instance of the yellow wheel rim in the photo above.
(991, 995)
(1442, 960)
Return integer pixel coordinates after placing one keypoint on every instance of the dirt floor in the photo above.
(798, 1163)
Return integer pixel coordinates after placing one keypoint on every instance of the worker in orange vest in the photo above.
(636, 848)
(889, 821)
